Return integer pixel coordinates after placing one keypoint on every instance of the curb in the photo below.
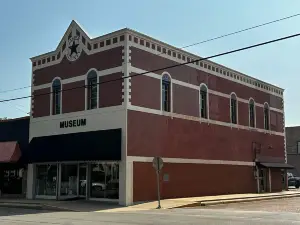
(236, 200)
(33, 206)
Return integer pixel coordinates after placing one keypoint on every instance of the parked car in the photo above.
(293, 181)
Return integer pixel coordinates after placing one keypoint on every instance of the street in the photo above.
(280, 211)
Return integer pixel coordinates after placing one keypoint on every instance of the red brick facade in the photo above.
(189, 180)
(166, 136)
(73, 93)
(224, 151)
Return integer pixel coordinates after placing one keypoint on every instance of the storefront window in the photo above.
(46, 177)
(105, 180)
(68, 180)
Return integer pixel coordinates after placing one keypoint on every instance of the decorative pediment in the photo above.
(73, 43)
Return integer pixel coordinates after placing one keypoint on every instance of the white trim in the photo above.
(241, 77)
(237, 108)
(100, 73)
(217, 69)
(207, 100)
(209, 121)
(125, 169)
(195, 87)
(84, 48)
(254, 112)
(192, 161)
(77, 114)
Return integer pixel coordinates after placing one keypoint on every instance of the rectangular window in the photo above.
(203, 96)
(166, 96)
(46, 180)
(92, 93)
(56, 100)
(233, 111)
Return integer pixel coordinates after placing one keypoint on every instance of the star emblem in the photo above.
(73, 48)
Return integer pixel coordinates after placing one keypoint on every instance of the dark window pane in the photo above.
(92, 92)
(166, 94)
(203, 96)
(252, 115)
(233, 111)
(56, 96)
(266, 118)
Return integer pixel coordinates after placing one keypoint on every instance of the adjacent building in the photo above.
(104, 107)
(14, 140)
(293, 148)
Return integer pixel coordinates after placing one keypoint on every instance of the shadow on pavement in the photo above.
(16, 207)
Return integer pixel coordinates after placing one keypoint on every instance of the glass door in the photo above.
(68, 181)
(82, 180)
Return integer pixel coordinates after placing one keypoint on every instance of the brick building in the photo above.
(94, 135)
(293, 148)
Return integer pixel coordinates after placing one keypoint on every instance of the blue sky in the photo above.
(33, 27)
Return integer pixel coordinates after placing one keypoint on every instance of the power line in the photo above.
(240, 31)
(168, 67)
(201, 42)
(16, 89)
(16, 107)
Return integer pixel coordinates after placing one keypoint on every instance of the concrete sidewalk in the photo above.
(92, 206)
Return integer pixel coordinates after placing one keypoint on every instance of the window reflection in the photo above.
(68, 180)
(46, 177)
(105, 180)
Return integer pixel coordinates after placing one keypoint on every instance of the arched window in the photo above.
(251, 113)
(203, 101)
(92, 91)
(266, 116)
(233, 108)
(166, 93)
(56, 97)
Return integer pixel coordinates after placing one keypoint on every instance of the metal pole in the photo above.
(158, 189)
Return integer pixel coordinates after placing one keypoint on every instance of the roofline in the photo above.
(84, 32)
(128, 30)
(197, 56)
(15, 119)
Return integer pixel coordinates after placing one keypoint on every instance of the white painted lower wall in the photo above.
(96, 119)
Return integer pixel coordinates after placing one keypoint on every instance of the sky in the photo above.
(33, 27)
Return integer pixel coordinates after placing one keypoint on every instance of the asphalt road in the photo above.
(205, 216)
(275, 205)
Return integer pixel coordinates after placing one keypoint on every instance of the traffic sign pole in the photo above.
(158, 164)
(158, 184)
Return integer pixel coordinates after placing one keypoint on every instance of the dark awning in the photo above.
(275, 165)
(9, 152)
(84, 146)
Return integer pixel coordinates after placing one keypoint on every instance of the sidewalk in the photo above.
(92, 206)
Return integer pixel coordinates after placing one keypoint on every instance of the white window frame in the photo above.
(251, 99)
(207, 100)
(237, 108)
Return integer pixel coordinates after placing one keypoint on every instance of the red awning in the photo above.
(9, 152)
